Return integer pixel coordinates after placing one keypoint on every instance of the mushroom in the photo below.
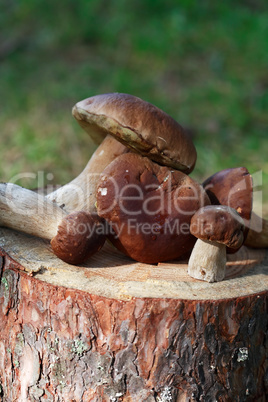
(137, 124)
(234, 188)
(257, 236)
(74, 237)
(215, 226)
(148, 207)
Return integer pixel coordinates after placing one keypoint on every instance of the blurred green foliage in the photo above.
(205, 63)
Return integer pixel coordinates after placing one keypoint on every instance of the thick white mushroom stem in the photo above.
(80, 193)
(207, 261)
(29, 212)
(258, 232)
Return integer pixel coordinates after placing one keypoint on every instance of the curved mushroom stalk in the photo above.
(80, 193)
(29, 212)
(258, 232)
(207, 261)
(74, 237)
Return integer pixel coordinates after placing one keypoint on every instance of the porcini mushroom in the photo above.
(74, 237)
(148, 207)
(138, 125)
(234, 188)
(216, 227)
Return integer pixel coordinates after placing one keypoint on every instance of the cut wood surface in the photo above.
(111, 274)
(117, 330)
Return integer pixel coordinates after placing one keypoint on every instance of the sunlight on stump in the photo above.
(117, 330)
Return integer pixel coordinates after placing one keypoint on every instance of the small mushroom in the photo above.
(149, 208)
(140, 126)
(74, 237)
(234, 188)
(216, 227)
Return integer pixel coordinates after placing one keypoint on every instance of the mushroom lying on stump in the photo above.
(140, 126)
(216, 228)
(149, 208)
(74, 237)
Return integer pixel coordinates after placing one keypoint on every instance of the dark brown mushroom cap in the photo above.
(220, 224)
(79, 236)
(140, 126)
(234, 188)
(149, 208)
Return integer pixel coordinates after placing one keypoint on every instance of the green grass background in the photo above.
(205, 63)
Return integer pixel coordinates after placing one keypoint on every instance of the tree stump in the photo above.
(117, 330)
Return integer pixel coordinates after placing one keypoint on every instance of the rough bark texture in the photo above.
(117, 330)
(60, 344)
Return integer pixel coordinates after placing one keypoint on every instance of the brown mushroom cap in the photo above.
(234, 188)
(220, 224)
(149, 208)
(79, 236)
(140, 126)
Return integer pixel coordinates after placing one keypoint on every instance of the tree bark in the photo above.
(117, 330)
